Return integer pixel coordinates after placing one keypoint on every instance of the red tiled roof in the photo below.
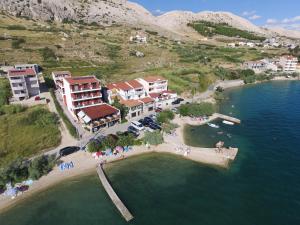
(82, 80)
(100, 111)
(131, 103)
(147, 100)
(13, 73)
(135, 84)
(154, 78)
(154, 95)
(120, 85)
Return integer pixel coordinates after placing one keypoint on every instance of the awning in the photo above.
(81, 114)
(86, 119)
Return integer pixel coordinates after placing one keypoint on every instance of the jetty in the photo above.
(229, 118)
(113, 196)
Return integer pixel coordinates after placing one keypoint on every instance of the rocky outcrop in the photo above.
(107, 12)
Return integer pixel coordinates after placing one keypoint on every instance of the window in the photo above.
(133, 114)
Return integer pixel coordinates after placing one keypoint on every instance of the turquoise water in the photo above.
(262, 187)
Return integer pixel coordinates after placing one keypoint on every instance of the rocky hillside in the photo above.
(106, 12)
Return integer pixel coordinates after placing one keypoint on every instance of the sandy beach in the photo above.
(174, 144)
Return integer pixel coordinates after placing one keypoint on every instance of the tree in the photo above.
(197, 109)
(153, 138)
(123, 109)
(165, 116)
(41, 165)
(93, 147)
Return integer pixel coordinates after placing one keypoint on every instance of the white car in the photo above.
(137, 125)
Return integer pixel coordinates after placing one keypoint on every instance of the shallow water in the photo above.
(262, 187)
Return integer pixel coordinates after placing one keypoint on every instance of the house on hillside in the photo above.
(24, 83)
(288, 63)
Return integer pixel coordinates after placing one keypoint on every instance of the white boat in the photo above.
(228, 122)
(213, 125)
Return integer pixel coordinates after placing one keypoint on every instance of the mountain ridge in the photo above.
(107, 12)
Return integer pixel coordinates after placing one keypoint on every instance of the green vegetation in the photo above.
(209, 29)
(169, 127)
(4, 91)
(72, 130)
(123, 109)
(153, 138)
(48, 54)
(16, 27)
(26, 131)
(16, 43)
(197, 109)
(165, 116)
(112, 141)
(22, 169)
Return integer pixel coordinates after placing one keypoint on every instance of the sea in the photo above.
(261, 187)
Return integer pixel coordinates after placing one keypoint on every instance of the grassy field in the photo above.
(26, 133)
(105, 52)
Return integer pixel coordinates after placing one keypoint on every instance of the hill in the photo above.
(108, 12)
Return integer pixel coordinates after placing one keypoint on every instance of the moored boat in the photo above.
(228, 122)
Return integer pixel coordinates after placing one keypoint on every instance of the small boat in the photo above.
(213, 125)
(228, 122)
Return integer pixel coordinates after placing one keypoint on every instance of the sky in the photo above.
(272, 13)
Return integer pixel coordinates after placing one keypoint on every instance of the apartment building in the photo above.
(24, 83)
(58, 77)
(154, 84)
(164, 99)
(260, 66)
(81, 92)
(129, 90)
(35, 67)
(288, 63)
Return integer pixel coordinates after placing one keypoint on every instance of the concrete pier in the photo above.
(229, 118)
(113, 196)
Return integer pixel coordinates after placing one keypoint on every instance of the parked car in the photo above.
(133, 130)
(37, 98)
(68, 150)
(180, 99)
(137, 125)
(153, 117)
(176, 102)
(154, 126)
(146, 121)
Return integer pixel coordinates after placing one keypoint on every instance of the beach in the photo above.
(85, 163)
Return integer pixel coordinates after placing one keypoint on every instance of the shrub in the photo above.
(12, 109)
(123, 109)
(93, 147)
(197, 109)
(41, 166)
(169, 127)
(153, 138)
(165, 116)
(69, 125)
(16, 44)
(16, 27)
(48, 54)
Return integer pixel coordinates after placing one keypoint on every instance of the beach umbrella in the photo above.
(119, 148)
(11, 192)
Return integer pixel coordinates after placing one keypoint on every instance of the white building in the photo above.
(129, 90)
(24, 83)
(35, 67)
(154, 84)
(138, 39)
(58, 77)
(260, 66)
(81, 92)
(288, 63)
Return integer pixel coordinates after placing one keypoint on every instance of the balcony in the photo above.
(76, 99)
(19, 88)
(20, 95)
(17, 81)
(81, 106)
(80, 90)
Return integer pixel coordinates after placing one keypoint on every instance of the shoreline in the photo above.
(85, 164)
